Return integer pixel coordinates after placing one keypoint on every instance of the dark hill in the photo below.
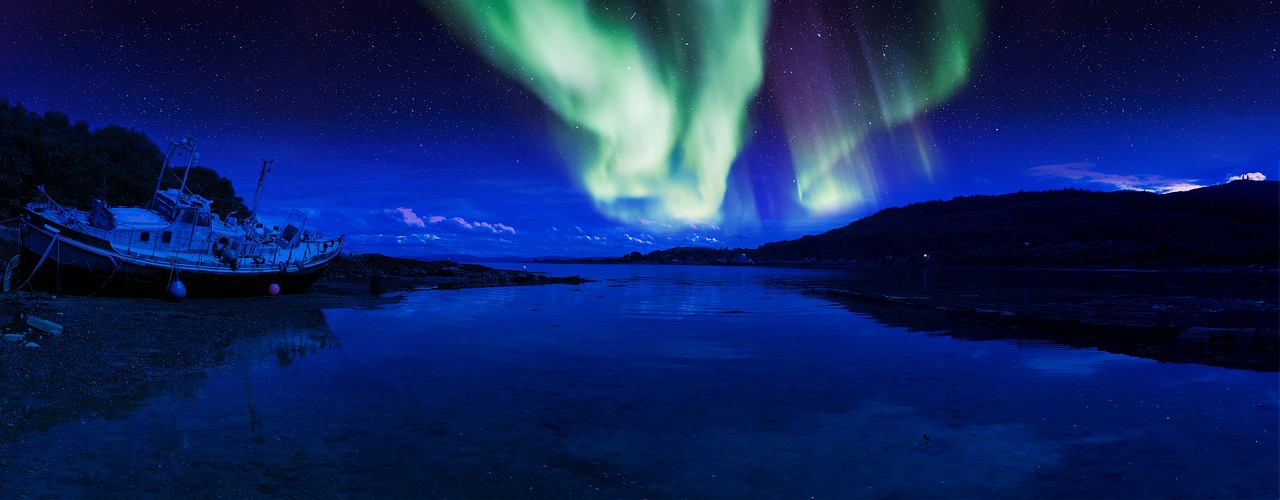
(1239, 200)
(1229, 224)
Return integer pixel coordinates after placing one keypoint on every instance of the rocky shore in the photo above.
(400, 272)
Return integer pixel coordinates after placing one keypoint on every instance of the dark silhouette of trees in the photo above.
(76, 164)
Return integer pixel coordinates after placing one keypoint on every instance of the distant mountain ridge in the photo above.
(1229, 224)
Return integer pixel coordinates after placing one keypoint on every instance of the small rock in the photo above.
(32, 344)
(14, 337)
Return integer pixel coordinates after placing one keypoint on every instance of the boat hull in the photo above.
(71, 263)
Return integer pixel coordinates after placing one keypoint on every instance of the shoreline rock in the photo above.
(1177, 338)
(444, 274)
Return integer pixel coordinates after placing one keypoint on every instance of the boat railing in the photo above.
(58, 213)
(127, 241)
(253, 256)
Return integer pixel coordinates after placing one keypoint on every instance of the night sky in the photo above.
(536, 127)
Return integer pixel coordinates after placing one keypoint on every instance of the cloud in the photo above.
(1176, 187)
(416, 238)
(382, 240)
(495, 227)
(644, 239)
(462, 222)
(693, 224)
(408, 217)
(1251, 176)
(1084, 171)
(590, 238)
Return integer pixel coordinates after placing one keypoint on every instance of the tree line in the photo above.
(76, 164)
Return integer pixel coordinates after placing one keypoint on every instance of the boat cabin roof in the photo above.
(139, 218)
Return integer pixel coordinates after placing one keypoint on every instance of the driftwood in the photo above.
(44, 325)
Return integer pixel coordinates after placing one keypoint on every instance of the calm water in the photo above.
(666, 381)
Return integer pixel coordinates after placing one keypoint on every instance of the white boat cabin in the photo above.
(179, 225)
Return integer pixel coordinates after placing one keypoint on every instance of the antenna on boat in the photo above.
(262, 177)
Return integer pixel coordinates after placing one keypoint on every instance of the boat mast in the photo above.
(187, 144)
(191, 160)
(262, 177)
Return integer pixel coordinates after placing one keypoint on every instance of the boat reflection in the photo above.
(112, 375)
(293, 345)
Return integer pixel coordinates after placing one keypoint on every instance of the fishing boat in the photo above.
(174, 246)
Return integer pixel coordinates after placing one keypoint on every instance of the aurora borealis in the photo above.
(659, 104)
(570, 127)
(657, 124)
(868, 68)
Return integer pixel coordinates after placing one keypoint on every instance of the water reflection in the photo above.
(114, 370)
(1054, 362)
(1219, 319)
(743, 385)
(294, 344)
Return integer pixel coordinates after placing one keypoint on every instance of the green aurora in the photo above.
(654, 97)
(848, 82)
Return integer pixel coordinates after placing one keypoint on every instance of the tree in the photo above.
(76, 164)
(129, 165)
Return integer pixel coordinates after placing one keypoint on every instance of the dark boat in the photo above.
(174, 246)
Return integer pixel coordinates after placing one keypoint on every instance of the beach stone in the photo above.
(32, 344)
(14, 337)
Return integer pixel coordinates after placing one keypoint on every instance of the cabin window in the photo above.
(188, 217)
(144, 236)
(204, 220)
(162, 206)
(166, 236)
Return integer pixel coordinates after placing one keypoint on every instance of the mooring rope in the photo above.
(105, 281)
